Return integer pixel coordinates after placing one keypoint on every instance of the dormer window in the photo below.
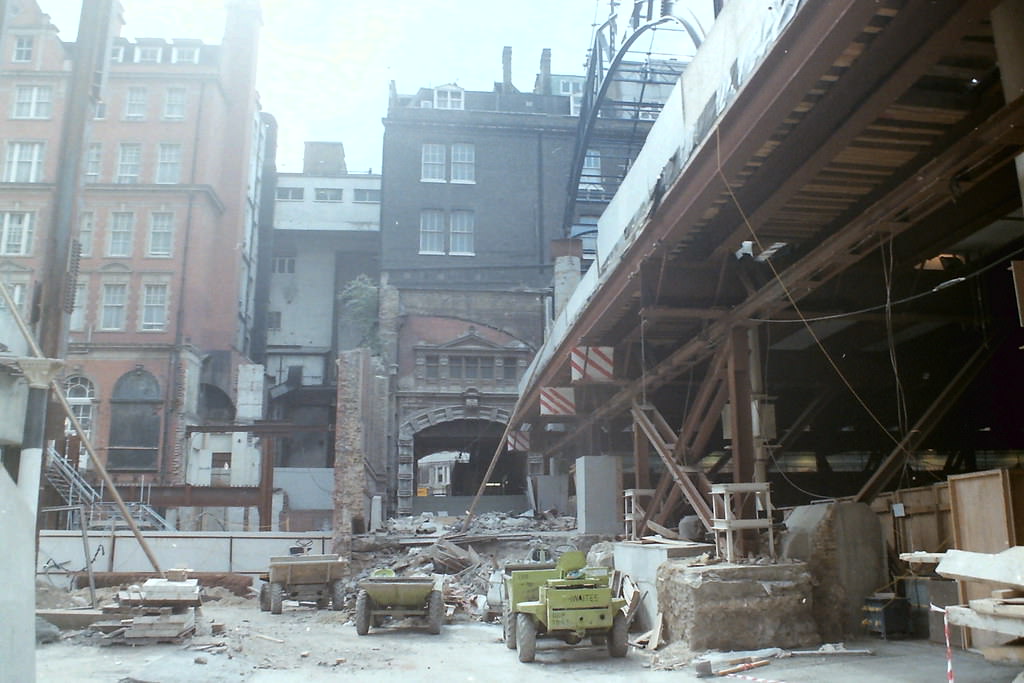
(22, 49)
(448, 97)
(148, 54)
(185, 54)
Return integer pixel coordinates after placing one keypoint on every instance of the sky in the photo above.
(324, 65)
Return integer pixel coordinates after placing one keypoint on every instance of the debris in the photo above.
(46, 632)
(270, 638)
(200, 660)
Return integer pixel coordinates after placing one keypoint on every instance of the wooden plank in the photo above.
(664, 531)
(655, 639)
(997, 608)
(965, 616)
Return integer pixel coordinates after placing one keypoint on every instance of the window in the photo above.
(80, 393)
(289, 194)
(327, 194)
(100, 111)
(432, 166)
(185, 55)
(174, 103)
(119, 238)
(509, 369)
(135, 104)
(273, 320)
(129, 160)
(154, 307)
(77, 321)
(22, 49)
(161, 232)
(16, 233)
(24, 162)
(431, 232)
(148, 54)
(431, 367)
(486, 368)
(93, 162)
(33, 102)
(366, 195)
(168, 163)
(462, 233)
(17, 292)
(448, 98)
(283, 264)
(117, 54)
(85, 232)
(463, 163)
(136, 406)
(115, 296)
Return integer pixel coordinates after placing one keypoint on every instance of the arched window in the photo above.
(81, 395)
(135, 409)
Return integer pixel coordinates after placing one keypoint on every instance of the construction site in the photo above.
(739, 399)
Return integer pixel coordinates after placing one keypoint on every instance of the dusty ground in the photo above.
(323, 645)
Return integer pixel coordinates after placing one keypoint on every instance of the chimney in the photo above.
(568, 256)
(325, 159)
(545, 71)
(506, 69)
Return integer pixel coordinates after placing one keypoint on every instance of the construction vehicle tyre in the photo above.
(526, 637)
(617, 643)
(362, 613)
(265, 597)
(508, 626)
(435, 611)
(337, 596)
(276, 597)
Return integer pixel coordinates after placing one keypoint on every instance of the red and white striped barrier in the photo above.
(519, 441)
(592, 363)
(557, 401)
(949, 648)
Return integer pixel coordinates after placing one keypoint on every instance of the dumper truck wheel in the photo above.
(362, 613)
(508, 626)
(265, 597)
(435, 612)
(337, 595)
(526, 637)
(617, 644)
(276, 597)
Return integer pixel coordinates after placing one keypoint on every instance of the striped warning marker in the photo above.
(949, 648)
(519, 441)
(592, 363)
(557, 401)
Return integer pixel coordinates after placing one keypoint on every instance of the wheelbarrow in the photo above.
(385, 595)
(306, 578)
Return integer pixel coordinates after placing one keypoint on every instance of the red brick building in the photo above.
(167, 222)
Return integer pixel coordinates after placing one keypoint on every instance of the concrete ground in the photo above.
(322, 646)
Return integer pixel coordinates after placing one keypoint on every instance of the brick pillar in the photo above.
(350, 514)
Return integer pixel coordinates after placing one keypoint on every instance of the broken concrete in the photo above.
(736, 606)
(843, 547)
(640, 561)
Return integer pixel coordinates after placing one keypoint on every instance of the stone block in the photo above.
(736, 607)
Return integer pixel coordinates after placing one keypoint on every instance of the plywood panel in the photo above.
(988, 517)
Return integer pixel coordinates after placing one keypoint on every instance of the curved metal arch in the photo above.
(591, 104)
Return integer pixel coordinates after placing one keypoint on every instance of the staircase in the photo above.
(99, 514)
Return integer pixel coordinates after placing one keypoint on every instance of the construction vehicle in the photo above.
(385, 595)
(303, 577)
(569, 601)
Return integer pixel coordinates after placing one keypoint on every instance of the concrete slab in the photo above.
(72, 619)
(597, 495)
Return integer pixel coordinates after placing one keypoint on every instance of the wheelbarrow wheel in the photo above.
(265, 597)
(508, 626)
(526, 637)
(337, 595)
(276, 597)
(362, 613)
(617, 644)
(435, 611)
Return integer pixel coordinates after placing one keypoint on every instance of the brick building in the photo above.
(167, 224)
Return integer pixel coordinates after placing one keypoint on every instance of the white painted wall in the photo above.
(309, 214)
(307, 488)
(245, 458)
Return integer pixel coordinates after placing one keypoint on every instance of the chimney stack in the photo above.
(506, 69)
(545, 71)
